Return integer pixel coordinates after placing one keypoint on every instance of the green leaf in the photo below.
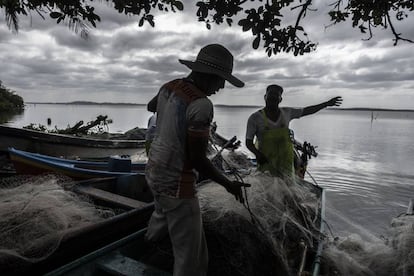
(377, 20)
(362, 28)
(296, 52)
(179, 5)
(242, 22)
(55, 15)
(246, 24)
(256, 42)
(229, 21)
(151, 21)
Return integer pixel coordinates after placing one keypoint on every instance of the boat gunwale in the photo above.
(60, 167)
(55, 138)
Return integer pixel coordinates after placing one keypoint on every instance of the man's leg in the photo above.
(157, 226)
(187, 237)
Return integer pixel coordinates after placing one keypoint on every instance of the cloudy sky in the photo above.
(120, 62)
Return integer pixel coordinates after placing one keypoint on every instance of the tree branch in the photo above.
(396, 35)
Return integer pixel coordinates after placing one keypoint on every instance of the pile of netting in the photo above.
(35, 214)
(389, 256)
(265, 237)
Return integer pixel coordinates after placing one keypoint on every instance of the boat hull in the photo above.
(66, 145)
(82, 240)
(135, 254)
(29, 163)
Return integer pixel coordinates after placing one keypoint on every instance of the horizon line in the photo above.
(223, 105)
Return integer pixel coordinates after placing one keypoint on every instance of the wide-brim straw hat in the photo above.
(214, 59)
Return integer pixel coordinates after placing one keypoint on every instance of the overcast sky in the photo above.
(121, 62)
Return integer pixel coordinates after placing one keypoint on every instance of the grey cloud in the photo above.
(112, 19)
(5, 33)
(118, 61)
(397, 60)
(376, 77)
(75, 41)
(164, 64)
(45, 67)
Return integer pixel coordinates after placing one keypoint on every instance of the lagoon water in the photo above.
(365, 164)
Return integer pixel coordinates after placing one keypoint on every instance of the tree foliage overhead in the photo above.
(263, 19)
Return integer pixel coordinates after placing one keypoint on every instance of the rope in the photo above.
(245, 203)
(313, 179)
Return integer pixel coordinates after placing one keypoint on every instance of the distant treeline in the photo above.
(372, 109)
(133, 104)
(85, 103)
(9, 100)
(218, 105)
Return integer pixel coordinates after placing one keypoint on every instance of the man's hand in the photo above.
(234, 187)
(261, 158)
(337, 101)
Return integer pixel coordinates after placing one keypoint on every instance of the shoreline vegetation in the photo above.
(10, 102)
(217, 105)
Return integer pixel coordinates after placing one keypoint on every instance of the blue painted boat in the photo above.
(32, 163)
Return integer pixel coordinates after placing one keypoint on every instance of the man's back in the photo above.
(179, 104)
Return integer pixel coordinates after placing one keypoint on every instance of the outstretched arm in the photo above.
(336, 101)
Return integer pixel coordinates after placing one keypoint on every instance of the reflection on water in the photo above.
(366, 168)
(8, 116)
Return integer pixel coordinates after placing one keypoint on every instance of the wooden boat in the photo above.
(129, 195)
(32, 163)
(66, 145)
(35, 163)
(129, 255)
(104, 164)
(113, 259)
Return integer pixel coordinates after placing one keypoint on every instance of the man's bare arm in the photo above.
(336, 101)
(260, 157)
(197, 148)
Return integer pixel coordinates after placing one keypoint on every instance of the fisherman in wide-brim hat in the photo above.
(184, 115)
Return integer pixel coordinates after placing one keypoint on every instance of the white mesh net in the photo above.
(266, 239)
(394, 255)
(261, 238)
(36, 212)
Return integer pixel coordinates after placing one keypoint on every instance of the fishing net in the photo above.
(35, 213)
(263, 238)
(403, 243)
(236, 160)
(389, 256)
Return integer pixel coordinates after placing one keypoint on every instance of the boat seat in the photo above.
(118, 264)
(118, 200)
